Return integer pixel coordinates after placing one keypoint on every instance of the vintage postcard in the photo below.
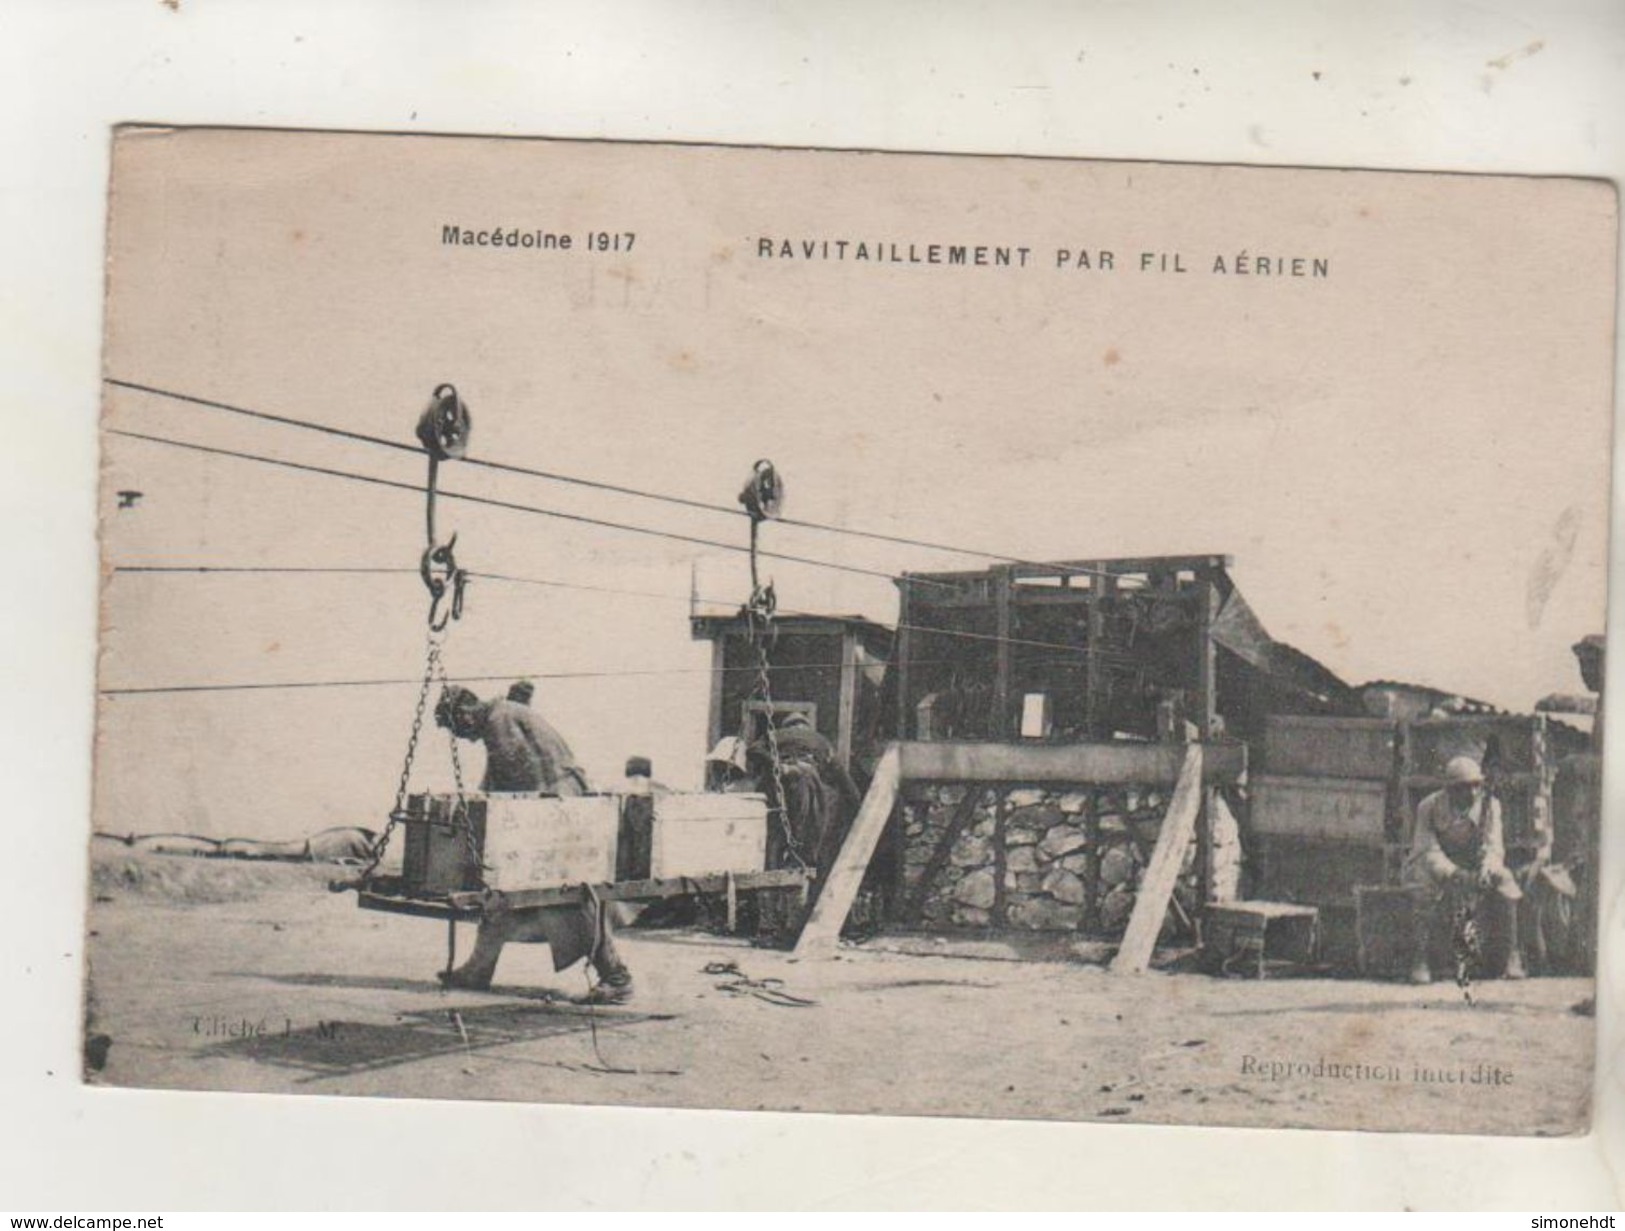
(851, 632)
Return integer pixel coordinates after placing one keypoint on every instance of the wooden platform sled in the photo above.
(519, 852)
(391, 895)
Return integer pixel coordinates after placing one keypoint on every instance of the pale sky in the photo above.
(1408, 459)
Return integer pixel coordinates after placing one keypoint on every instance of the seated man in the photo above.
(524, 754)
(1458, 847)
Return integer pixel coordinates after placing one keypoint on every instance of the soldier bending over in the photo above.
(523, 754)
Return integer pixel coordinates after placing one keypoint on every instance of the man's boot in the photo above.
(476, 973)
(614, 988)
(1514, 968)
(1421, 937)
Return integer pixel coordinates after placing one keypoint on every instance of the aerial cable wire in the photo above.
(597, 484)
(363, 570)
(514, 506)
(391, 681)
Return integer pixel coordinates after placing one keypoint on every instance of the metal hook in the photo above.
(438, 568)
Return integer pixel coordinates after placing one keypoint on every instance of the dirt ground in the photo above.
(277, 985)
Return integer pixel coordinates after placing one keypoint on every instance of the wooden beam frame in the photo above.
(1114, 764)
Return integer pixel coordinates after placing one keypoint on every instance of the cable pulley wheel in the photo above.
(445, 425)
(763, 493)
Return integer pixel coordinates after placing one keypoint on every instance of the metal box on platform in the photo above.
(439, 846)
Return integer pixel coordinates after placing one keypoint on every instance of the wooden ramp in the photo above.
(1183, 767)
(1157, 885)
(834, 894)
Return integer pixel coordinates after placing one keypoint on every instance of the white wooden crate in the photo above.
(543, 841)
(706, 833)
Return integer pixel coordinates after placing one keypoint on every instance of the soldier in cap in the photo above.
(1457, 847)
(522, 750)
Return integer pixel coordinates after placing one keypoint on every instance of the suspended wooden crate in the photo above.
(695, 835)
(524, 841)
(543, 841)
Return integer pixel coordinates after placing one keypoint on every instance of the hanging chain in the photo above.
(459, 815)
(443, 430)
(760, 631)
(431, 666)
(1466, 942)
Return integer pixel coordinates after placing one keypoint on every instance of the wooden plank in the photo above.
(1094, 720)
(1157, 885)
(1349, 809)
(423, 908)
(633, 891)
(1297, 747)
(847, 705)
(902, 663)
(1119, 764)
(719, 672)
(1207, 662)
(836, 891)
(1002, 656)
(1148, 564)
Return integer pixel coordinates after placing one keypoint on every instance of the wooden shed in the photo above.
(830, 668)
(1096, 651)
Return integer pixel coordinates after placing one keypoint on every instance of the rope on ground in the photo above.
(599, 907)
(770, 990)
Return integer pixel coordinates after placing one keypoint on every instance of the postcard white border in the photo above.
(1424, 85)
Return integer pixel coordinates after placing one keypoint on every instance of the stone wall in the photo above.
(1042, 859)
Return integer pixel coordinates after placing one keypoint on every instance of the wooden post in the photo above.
(1091, 865)
(1001, 663)
(719, 663)
(1094, 684)
(838, 887)
(730, 895)
(1157, 885)
(1001, 896)
(900, 655)
(1208, 687)
(848, 698)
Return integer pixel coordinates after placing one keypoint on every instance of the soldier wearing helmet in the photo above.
(1457, 846)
